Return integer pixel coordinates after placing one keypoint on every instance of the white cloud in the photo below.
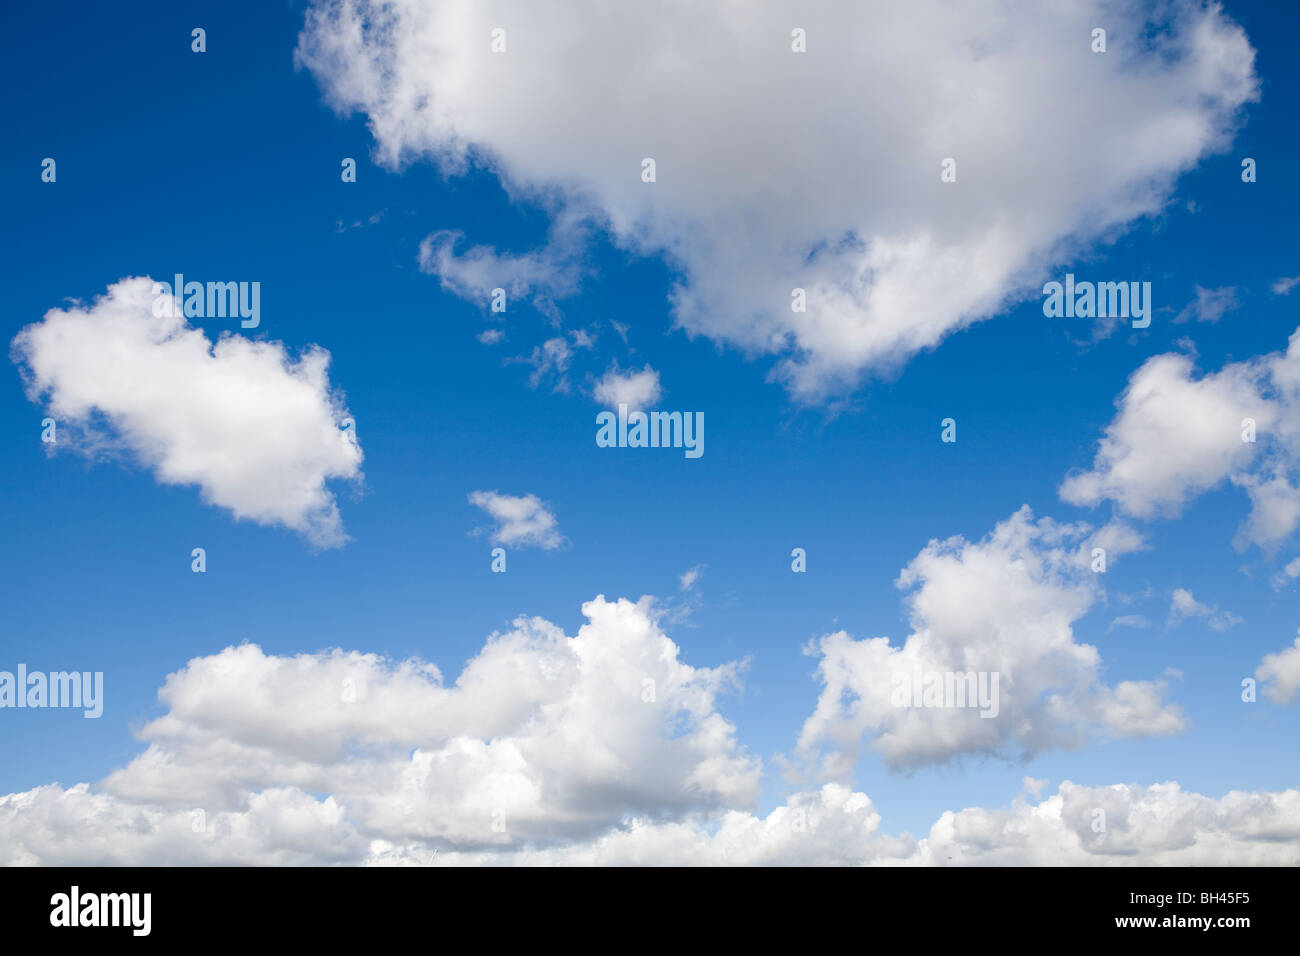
(688, 580)
(1034, 785)
(258, 432)
(522, 520)
(1128, 620)
(636, 390)
(601, 748)
(1210, 305)
(1287, 574)
(1280, 673)
(542, 275)
(1284, 285)
(760, 189)
(1173, 438)
(1003, 605)
(550, 362)
(1176, 436)
(1117, 538)
(1274, 506)
(1183, 605)
(372, 220)
(556, 737)
(490, 336)
(282, 826)
(1160, 825)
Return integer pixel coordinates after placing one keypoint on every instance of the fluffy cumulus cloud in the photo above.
(1160, 825)
(759, 189)
(1177, 435)
(259, 432)
(600, 748)
(1002, 606)
(1280, 673)
(522, 521)
(636, 390)
(542, 738)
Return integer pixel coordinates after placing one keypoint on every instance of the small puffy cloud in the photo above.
(1210, 305)
(1284, 285)
(1183, 605)
(1002, 606)
(523, 521)
(892, 262)
(260, 433)
(1280, 674)
(490, 336)
(1177, 436)
(1116, 538)
(1034, 785)
(1173, 438)
(636, 390)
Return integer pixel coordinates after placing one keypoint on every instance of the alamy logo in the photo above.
(103, 909)
(947, 689)
(56, 689)
(1101, 300)
(652, 430)
(209, 300)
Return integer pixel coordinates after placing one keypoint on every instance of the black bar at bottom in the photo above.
(1219, 905)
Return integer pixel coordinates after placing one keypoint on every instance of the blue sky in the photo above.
(225, 165)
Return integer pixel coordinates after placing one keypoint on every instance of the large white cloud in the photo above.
(818, 170)
(1004, 606)
(1159, 825)
(544, 735)
(601, 748)
(1176, 436)
(259, 432)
